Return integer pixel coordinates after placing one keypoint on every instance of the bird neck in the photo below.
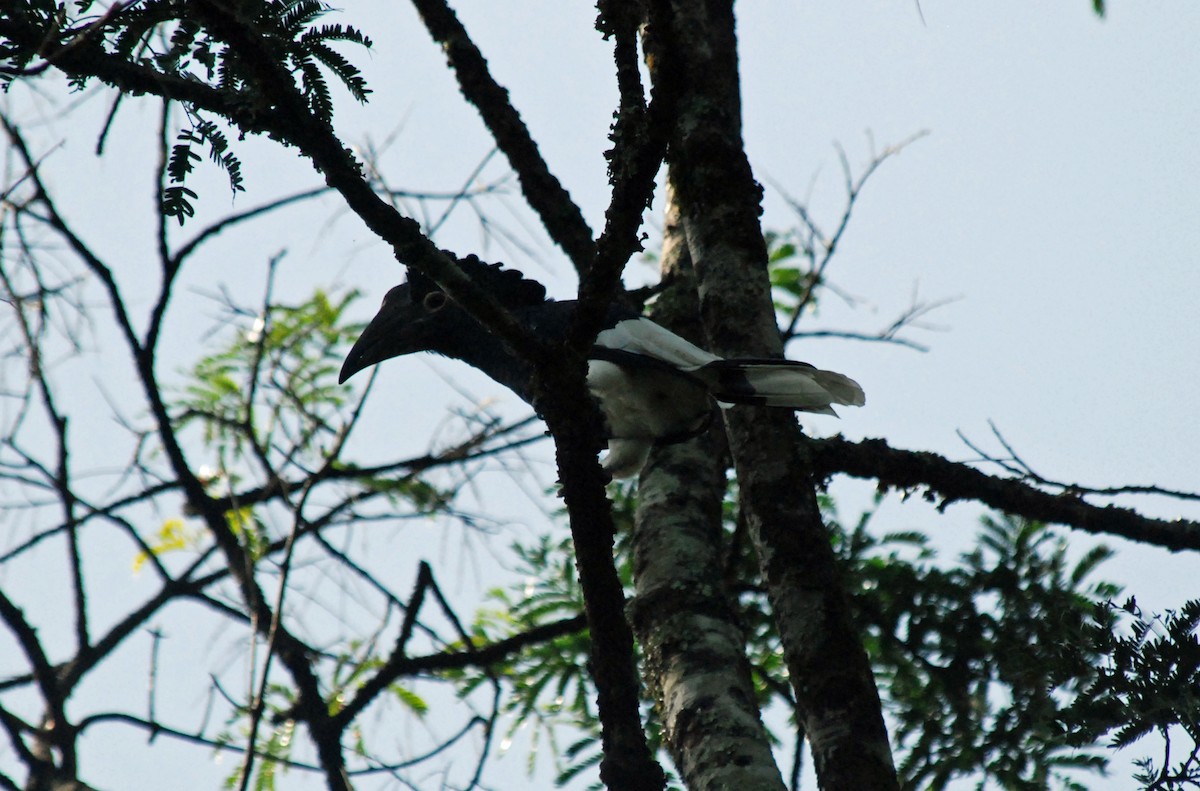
(482, 350)
(487, 353)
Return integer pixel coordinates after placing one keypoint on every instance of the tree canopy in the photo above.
(206, 556)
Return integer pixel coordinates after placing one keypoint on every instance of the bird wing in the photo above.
(639, 342)
(643, 336)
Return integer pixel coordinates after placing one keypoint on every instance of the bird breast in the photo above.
(651, 403)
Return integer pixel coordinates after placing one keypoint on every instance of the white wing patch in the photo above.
(643, 336)
(645, 402)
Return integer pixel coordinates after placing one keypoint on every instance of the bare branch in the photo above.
(546, 195)
(820, 248)
(1015, 465)
(948, 482)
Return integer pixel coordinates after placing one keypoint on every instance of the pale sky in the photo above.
(1054, 200)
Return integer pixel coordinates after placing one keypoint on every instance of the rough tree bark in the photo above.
(693, 648)
(694, 46)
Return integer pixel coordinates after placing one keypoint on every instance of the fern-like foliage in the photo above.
(176, 197)
(273, 384)
(977, 657)
(315, 42)
(173, 37)
(185, 41)
(20, 54)
(286, 30)
(1148, 683)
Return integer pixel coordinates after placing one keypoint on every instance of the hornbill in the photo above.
(653, 387)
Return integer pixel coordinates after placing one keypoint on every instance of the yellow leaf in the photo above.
(172, 536)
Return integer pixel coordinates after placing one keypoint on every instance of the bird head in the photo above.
(417, 316)
(409, 320)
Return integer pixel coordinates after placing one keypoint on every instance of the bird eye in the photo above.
(434, 301)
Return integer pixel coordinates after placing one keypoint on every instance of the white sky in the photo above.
(1055, 198)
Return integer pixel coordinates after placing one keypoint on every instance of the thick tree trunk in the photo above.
(693, 648)
(694, 51)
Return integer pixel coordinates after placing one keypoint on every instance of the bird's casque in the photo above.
(653, 386)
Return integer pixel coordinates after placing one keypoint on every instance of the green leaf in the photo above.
(411, 701)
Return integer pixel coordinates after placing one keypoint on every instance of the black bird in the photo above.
(652, 385)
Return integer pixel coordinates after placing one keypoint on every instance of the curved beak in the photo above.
(381, 340)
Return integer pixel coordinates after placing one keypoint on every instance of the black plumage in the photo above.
(652, 385)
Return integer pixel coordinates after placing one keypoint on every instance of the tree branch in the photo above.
(399, 666)
(639, 138)
(948, 482)
(559, 214)
(720, 203)
(684, 617)
(828, 245)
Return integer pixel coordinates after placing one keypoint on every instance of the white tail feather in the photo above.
(787, 385)
(843, 389)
